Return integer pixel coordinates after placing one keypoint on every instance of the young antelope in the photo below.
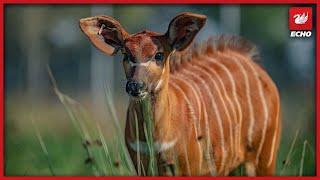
(213, 107)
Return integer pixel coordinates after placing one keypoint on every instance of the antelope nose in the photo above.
(134, 88)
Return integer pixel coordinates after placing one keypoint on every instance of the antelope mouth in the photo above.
(139, 95)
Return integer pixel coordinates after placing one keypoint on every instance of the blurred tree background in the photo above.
(41, 35)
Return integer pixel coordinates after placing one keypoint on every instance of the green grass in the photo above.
(78, 145)
(98, 155)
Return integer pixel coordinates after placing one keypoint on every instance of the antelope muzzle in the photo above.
(136, 89)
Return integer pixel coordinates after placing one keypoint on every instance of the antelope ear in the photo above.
(104, 32)
(183, 28)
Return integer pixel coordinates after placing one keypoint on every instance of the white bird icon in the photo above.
(300, 18)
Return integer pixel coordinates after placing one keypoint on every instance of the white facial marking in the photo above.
(145, 64)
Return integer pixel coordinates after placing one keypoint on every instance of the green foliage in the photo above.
(148, 131)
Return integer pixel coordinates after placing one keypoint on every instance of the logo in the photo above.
(300, 21)
(300, 18)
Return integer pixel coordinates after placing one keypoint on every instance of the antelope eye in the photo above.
(158, 56)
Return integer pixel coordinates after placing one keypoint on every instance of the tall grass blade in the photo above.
(43, 147)
(106, 151)
(287, 160)
(302, 157)
(119, 133)
(64, 99)
(80, 120)
(310, 148)
(148, 131)
(138, 143)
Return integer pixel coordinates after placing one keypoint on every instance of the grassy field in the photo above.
(62, 138)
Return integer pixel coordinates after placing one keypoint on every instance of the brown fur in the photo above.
(175, 118)
(214, 99)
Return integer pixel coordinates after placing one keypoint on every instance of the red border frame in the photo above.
(4, 2)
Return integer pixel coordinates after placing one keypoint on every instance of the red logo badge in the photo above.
(300, 18)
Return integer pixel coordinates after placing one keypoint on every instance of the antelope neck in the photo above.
(160, 106)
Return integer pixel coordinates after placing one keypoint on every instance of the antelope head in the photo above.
(145, 54)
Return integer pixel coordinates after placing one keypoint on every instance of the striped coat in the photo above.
(213, 107)
(223, 110)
